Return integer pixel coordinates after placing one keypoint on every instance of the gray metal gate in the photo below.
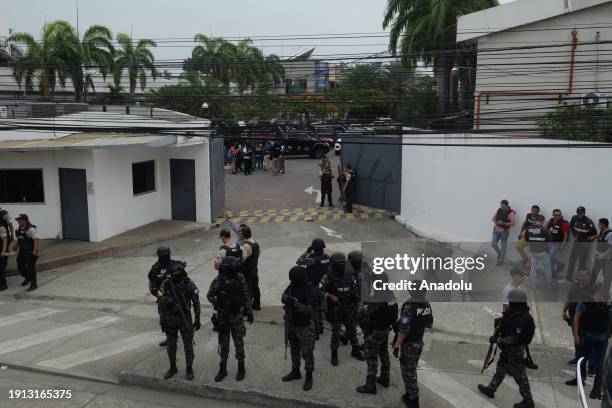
(182, 189)
(73, 203)
(377, 162)
(217, 177)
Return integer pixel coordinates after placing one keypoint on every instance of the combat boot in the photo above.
(293, 375)
(369, 387)
(241, 371)
(383, 381)
(170, 373)
(163, 343)
(308, 381)
(524, 404)
(222, 372)
(410, 402)
(334, 357)
(25, 282)
(488, 391)
(357, 353)
(189, 373)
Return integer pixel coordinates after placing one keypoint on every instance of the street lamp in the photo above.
(205, 109)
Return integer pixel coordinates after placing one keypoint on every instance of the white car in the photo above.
(338, 146)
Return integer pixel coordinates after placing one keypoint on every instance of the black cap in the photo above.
(23, 217)
(224, 233)
(580, 210)
(163, 250)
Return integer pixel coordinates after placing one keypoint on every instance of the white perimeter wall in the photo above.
(451, 193)
(112, 207)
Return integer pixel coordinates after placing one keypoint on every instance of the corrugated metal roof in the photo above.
(89, 141)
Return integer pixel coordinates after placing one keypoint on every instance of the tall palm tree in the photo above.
(275, 72)
(42, 60)
(426, 31)
(136, 59)
(214, 56)
(250, 68)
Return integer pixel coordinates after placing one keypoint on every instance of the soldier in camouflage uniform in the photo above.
(341, 294)
(317, 264)
(157, 274)
(301, 300)
(178, 293)
(376, 316)
(516, 330)
(229, 294)
(415, 317)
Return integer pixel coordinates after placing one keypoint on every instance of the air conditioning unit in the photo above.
(596, 100)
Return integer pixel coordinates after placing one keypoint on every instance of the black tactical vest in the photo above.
(422, 318)
(234, 251)
(503, 216)
(26, 243)
(555, 231)
(230, 294)
(602, 243)
(536, 235)
(250, 264)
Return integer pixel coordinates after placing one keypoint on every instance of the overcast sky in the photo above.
(162, 19)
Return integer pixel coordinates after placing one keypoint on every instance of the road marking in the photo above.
(543, 393)
(32, 314)
(310, 190)
(55, 334)
(490, 311)
(330, 232)
(103, 351)
(455, 393)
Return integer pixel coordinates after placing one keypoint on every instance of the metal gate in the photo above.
(73, 203)
(217, 176)
(377, 162)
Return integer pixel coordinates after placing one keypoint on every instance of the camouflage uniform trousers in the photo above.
(348, 320)
(233, 326)
(410, 352)
(302, 344)
(173, 325)
(512, 362)
(376, 346)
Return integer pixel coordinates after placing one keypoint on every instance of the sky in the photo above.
(181, 19)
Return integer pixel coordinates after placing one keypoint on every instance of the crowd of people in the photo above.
(249, 157)
(23, 241)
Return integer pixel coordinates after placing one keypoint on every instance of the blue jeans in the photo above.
(500, 250)
(540, 259)
(592, 351)
(553, 250)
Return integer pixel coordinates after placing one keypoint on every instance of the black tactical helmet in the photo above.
(338, 258)
(229, 265)
(297, 275)
(317, 244)
(176, 267)
(354, 258)
(163, 250)
(517, 296)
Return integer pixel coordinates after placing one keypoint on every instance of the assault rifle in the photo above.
(490, 357)
(188, 324)
(287, 318)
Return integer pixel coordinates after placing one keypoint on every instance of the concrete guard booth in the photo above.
(94, 185)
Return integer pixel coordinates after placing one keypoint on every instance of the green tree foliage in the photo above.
(135, 58)
(572, 122)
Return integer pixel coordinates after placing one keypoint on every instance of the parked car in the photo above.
(299, 142)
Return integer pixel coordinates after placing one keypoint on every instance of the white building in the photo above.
(94, 185)
(535, 55)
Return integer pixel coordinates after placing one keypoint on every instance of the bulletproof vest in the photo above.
(230, 294)
(555, 231)
(602, 243)
(25, 243)
(342, 287)
(179, 294)
(159, 274)
(518, 323)
(250, 264)
(503, 216)
(234, 251)
(422, 318)
(383, 316)
(326, 178)
(581, 227)
(305, 296)
(529, 220)
(536, 235)
(595, 318)
(318, 268)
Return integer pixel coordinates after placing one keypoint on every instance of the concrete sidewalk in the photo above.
(57, 252)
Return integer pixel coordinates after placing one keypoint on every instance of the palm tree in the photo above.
(426, 31)
(96, 51)
(41, 60)
(137, 60)
(275, 72)
(213, 56)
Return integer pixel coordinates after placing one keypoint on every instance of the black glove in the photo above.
(197, 325)
(250, 318)
(396, 351)
(493, 339)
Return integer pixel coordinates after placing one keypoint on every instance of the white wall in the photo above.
(47, 216)
(541, 69)
(451, 193)
(112, 206)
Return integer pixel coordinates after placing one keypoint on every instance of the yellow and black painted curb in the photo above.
(292, 215)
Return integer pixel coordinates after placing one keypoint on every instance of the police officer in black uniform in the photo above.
(178, 294)
(157, 274)
(415, 317)
(584, 231)
(341, 294)
(27, 243)
(317, 264)
(516, 331)
(376, 316)
(249, 261)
